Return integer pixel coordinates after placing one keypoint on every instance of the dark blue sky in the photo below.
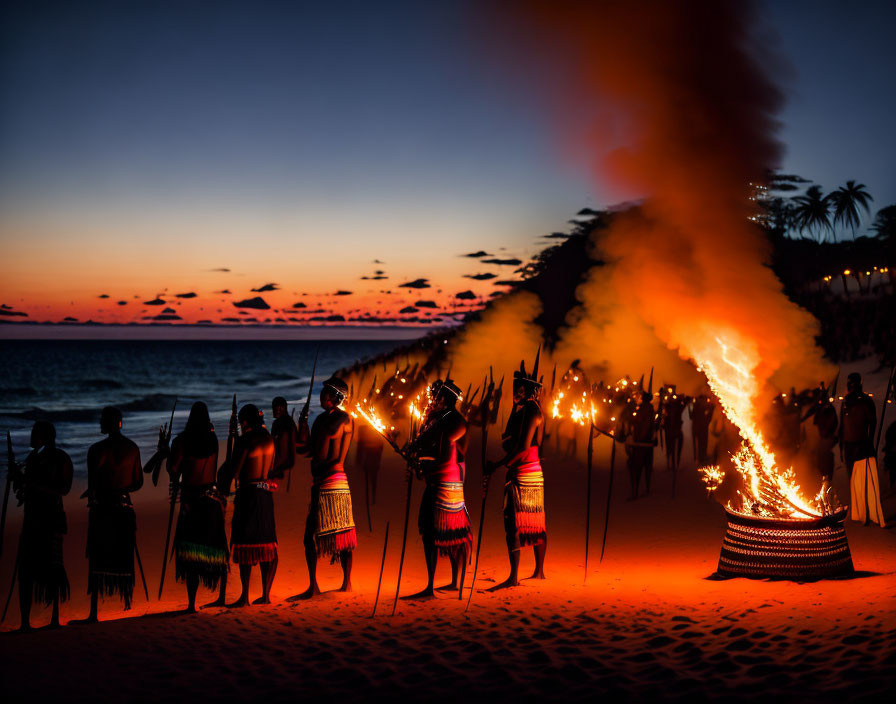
(384, 128)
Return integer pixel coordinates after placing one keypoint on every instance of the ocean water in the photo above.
(69, 382)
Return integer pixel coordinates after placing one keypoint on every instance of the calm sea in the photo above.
(69, 382)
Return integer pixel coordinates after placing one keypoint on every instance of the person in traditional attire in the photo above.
(284, 433)
(113, 473)
(40, 485)
(701, 412)
(444, 522)
(524, 514)
(825, 421)
(672, 408)
(200, 540)
(639, 430)
(330, 527)
(858, 419)
(253, 531)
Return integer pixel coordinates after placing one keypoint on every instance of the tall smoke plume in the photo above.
(674, 107)
(672, 103)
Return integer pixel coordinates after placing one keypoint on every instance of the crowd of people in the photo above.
(258, 460)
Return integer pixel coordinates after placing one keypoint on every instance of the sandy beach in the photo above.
(650, 623)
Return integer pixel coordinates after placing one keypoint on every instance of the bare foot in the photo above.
(507, 583)
(425, 595)
(346, 587)
(447, 587)
(80, 621)
(536, 575)
(309, 593)
(213, 604)
(262, 600)
(239, 603)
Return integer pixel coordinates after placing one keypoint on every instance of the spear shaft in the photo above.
(603, 544)
(382, 567)
(588, 497)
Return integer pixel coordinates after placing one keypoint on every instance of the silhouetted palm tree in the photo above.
(846, 201)
(813, 212)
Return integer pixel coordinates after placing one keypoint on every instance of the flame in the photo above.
(771, 490)
(713, 476)
(371, 416)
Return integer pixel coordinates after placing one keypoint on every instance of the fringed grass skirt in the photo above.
(444, 520)
(253, 534)
(40, 560)
(111, 538)
(335, 532)
(524, 508)
(200, 541)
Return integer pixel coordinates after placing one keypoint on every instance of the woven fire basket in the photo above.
(785, 548)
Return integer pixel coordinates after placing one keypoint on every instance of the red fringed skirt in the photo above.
(524, 502)
(444, 520)
(253, 534)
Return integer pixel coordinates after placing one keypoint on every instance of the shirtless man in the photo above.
(113, 472)
(330, 528)
(524, 519)
(200, 541)
(283, 430)
(45, 478)
(253, 532)
(444, 522)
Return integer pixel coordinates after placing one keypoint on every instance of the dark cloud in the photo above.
(230, 320)
(416, 283)
(69, 319)
(328, 319)
(221, 269)
(122, 303)
(266, 287)
(343, 293)
(169, 310)
(103, 295)
(378, 277)
(505, 282)
(408, 309)
(480, 277)
(503, 262)
(185, 295)
(166, 316)
(8, 311)
(224, 291)
(257, 303)
(377, 261)
(477, 255)
(203, 322)
(299, 305)
(556, 236)
(426, 304)
(154, 302)
(465, 296)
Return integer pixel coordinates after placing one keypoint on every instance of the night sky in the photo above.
(143, 145)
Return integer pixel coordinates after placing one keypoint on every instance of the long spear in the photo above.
(603, 543)
(883, 413)
(304, 434)
(404, 538)
(382, 567)
(588, 496)
(485, 419)
(142, 573)
(175, 486)
(10, 463)
(154, 466)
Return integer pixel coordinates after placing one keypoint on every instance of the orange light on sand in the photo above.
(769, 490)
